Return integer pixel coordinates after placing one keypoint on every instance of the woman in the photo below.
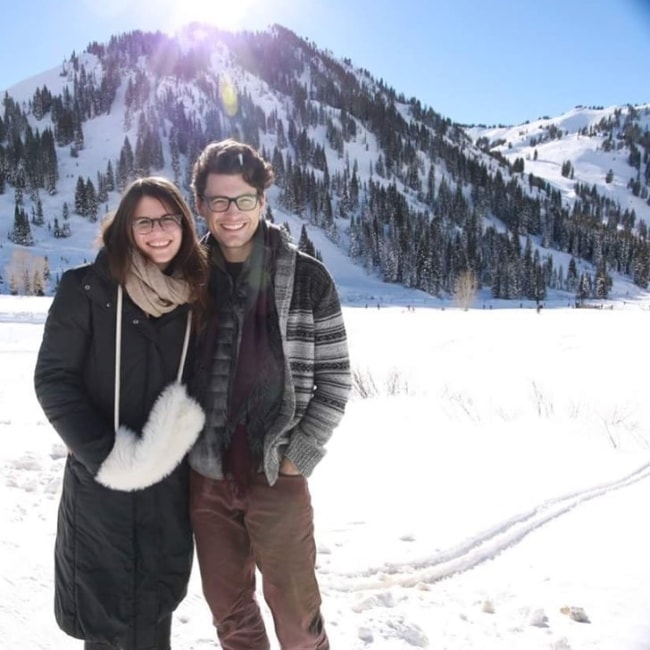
(108, 379)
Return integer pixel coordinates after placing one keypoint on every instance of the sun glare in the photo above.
(224, 14)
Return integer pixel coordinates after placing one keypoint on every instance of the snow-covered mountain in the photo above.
(606, 149)
(384, 186)
(602, 153)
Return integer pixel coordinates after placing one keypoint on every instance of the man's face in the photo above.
(231, 224)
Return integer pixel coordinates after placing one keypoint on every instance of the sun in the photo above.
(227, 14)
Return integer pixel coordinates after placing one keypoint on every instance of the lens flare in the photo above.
(228, 95)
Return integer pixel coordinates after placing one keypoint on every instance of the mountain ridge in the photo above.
(353, 158)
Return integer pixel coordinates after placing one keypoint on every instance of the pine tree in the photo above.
(641, 266)
(603, 281)
(102, 193)
(92, 204)
(584, 288)
(78, 134)
(38, 215)
(80, 203)
(175, 154)
(21, 233)
(572, 280)
(49, 161)
(37, 105)
(125, 165)
(109, 178)
(305, 244)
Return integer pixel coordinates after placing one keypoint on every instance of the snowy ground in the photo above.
(487, 492)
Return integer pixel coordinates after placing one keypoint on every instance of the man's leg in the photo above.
(281, 527)
(227, 565)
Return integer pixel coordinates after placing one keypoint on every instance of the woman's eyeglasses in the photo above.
(168, 223)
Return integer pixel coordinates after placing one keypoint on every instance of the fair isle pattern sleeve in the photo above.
(316, 345)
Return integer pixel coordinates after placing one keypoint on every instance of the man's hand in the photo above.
(288, 468)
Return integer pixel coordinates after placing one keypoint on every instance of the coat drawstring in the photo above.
(118, 353)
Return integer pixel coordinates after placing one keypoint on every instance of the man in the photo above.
(273, 376)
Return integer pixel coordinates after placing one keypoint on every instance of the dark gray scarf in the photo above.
(245, 309)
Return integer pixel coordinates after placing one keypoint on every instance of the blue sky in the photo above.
(470, 60)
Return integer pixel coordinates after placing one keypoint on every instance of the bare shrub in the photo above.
(544, 406)
(465, 288)
(365, 386)
(619, 423)
(26, 274)
(462, 402)
(396, 383)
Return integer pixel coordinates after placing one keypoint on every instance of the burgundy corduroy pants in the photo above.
(272, 528)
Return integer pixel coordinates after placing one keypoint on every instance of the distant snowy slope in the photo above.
(546, 144)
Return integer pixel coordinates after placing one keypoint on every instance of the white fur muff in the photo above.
(137, 462)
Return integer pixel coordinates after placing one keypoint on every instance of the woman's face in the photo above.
(157, 231)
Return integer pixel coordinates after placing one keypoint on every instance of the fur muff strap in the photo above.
(173, 426)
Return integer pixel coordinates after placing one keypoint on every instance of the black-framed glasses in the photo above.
(244, 202)
(168, 222)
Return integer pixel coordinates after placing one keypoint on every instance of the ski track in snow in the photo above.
(486, 545)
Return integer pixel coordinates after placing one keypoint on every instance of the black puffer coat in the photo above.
(123, 559)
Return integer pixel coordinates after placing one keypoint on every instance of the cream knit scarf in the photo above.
(153, 291)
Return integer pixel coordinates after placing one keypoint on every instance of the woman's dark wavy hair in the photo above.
(231, 157)
(118, 241)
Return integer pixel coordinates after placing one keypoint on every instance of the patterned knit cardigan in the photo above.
(317, 377)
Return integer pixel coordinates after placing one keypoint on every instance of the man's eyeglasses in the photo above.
(244, 202)
(168, 222)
